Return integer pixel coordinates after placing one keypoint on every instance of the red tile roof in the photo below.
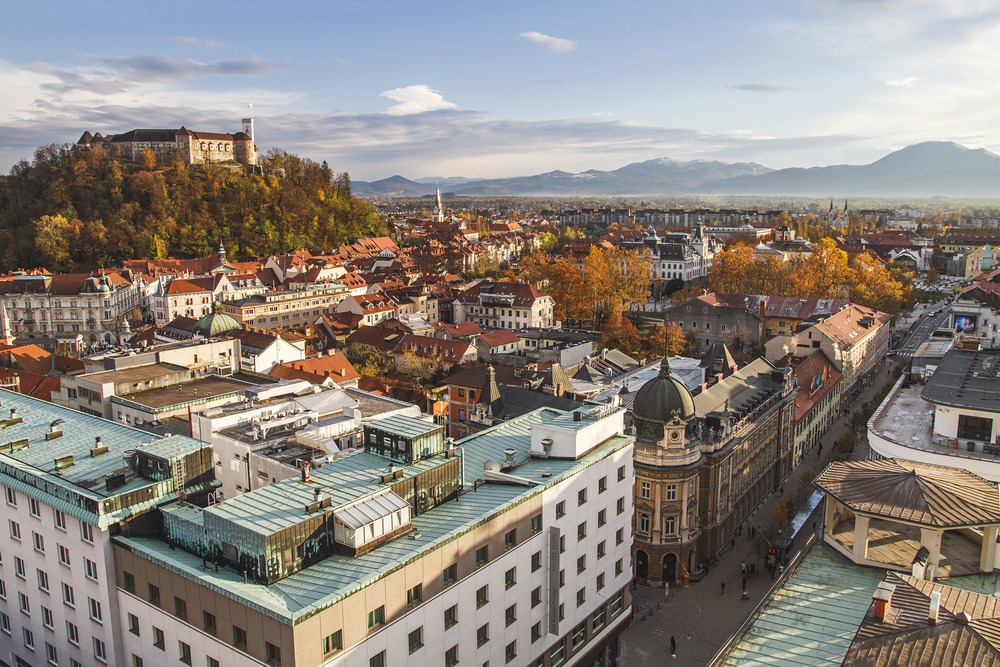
(498, 338)
(817, 376)
(335, 366)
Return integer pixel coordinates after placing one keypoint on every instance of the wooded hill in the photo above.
(72, 209)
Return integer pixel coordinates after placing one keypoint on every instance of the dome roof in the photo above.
(215, 324)
(663, 398)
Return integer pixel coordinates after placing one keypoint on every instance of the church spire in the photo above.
(438, 213)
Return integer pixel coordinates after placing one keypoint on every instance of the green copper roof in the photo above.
(216, 323)
(812, 619)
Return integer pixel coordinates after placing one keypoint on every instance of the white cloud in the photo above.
(553, 44)
(415, 99)
(902, 83)
(203, 44)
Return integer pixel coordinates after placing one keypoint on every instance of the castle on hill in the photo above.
(195, 147)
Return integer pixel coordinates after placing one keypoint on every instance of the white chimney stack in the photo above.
(932, 613)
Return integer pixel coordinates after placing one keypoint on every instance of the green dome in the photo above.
(663, 398)
(215, 324)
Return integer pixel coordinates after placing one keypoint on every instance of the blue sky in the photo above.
(494, 89)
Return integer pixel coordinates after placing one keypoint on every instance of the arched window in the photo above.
(643, 523)
(669, 526)
(203, 145)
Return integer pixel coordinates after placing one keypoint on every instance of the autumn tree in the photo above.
(534, 269)
(871, 285)
(668, 340)
(781, 512)
(566, 287)
(932, 275)
(619, 334)
(616, 280)
(730, 270)
(51, 242)
(147, 160)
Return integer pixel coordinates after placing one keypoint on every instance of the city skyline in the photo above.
(444, 89)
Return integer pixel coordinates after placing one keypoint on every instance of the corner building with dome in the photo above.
(706, 460)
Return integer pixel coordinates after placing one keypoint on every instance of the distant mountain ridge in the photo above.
(933, 168)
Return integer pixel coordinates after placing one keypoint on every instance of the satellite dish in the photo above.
(492, 466)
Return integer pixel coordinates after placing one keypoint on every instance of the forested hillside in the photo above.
(73, 209)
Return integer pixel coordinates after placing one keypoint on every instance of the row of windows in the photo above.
(557, 655)
(645, 489)
(208, 620)
(51, 652)
(35, 509)
(272, 652)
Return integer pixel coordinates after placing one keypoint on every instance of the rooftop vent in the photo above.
(98, 448)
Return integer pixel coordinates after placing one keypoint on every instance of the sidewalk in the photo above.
(703, 616)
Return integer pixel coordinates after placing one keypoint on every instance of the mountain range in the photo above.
(933, 168)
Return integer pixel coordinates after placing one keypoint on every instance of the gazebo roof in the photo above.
(914, 492)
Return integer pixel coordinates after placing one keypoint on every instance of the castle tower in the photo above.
(252, 150)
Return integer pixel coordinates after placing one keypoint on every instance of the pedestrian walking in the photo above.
(745, 596)
(666, 589)
(734, 544)
(673, 646)
(743, 568)
(744, 581)
(749, 529)
(723, 588)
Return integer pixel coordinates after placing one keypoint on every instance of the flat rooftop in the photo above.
(134, 373)
(966, 379)
(205, 387)
(318, 586)
(86, 475)
(907, 420)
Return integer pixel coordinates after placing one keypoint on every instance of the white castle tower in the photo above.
(248, 130)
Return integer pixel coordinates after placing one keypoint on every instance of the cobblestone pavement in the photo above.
(704, 615)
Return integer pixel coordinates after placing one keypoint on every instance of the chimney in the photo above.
(509, 460)
(932, 613)
(763, 308)
(305, 471)
(883, 599)
(577, 416)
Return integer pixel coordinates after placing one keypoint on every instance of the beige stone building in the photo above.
(286, 308)
(705, 462)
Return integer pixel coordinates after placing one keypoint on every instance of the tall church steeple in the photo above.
(437, 214)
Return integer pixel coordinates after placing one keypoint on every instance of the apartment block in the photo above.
(70, 481)
(511, 548)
